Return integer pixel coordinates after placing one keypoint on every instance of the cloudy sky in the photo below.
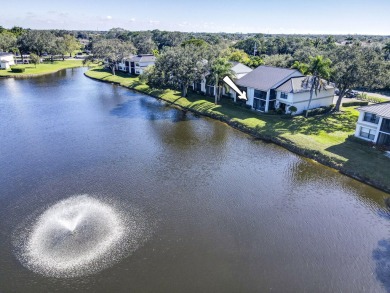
(263, 16)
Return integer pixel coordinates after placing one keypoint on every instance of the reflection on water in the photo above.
(232, 214)
(381, 256)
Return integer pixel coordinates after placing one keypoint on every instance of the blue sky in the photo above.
(262, 16)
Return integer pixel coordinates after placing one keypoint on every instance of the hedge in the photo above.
(18, 69)
(355, 103)
(318, 111)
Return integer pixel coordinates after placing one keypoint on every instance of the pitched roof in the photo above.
(381, 109)
(267, 77)
(300, 84)
(5, 54)
(240, 69)
(143, 58)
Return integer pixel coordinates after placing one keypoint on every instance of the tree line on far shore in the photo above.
(349, 61)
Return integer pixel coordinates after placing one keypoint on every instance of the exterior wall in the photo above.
(374, 127)
(121, 66)
(6, 61)
(250, 93)
(140, 66)
(301, 100)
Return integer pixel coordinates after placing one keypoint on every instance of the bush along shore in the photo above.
(327, 138)
(30, 70)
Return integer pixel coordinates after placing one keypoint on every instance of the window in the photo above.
(198, 86)
(271, 105)
(210, 90)
(259, 104)
(283, 96)
(260, 95)
(372, 118)
(367, 133)
(385, 125)
(272, 94)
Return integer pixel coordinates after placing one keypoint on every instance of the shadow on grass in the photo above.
(363, 159)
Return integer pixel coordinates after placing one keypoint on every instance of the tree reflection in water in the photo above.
(381, 255)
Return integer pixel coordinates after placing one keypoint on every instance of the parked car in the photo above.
(351, 94)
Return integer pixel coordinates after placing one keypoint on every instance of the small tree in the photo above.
(71, 44)
(220, 68)
(292, 110)
(35, 59)
(319, 68)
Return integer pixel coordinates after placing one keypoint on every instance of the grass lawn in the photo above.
(42, 68)
(326, 138)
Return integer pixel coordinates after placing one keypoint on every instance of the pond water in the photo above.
(171, 202)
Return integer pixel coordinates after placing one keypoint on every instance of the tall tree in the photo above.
(179, 67)
(144, 43)
(386, 50)
(71, 44)
(319, 69)
(219, 69)
(348, 70)
(7, 41)
(37, 42)
(110, 51)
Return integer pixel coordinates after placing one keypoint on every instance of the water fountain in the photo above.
(77, 236)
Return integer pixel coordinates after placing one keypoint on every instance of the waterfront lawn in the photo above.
(42, 68)
(325, 137)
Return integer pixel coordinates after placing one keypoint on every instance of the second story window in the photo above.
(372, 118)
(283, 96)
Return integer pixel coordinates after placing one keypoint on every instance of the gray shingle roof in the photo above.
(143, 58)
(300, 84)
(381, 109)
(267, 77)
(240, 69)
(5, 54)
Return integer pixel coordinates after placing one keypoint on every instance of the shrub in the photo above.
(365, 97)
(318, 111)
(18, 69)
(356, 103)
(292, 109)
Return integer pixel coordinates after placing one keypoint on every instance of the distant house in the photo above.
(136, 64)
(239, 70)
(374, 123)
(270, 88)
(6, 60)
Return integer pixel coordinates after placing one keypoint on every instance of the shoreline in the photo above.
(32, 75)
(289, 145)
(313, 154)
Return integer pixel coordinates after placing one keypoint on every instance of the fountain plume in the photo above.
(77, 236)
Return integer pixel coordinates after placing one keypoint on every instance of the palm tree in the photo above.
(220, 68)
(301, 66)
(319, 69)
(386, 49)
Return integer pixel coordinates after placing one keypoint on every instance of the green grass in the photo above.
(42, 68)
(326, 138)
